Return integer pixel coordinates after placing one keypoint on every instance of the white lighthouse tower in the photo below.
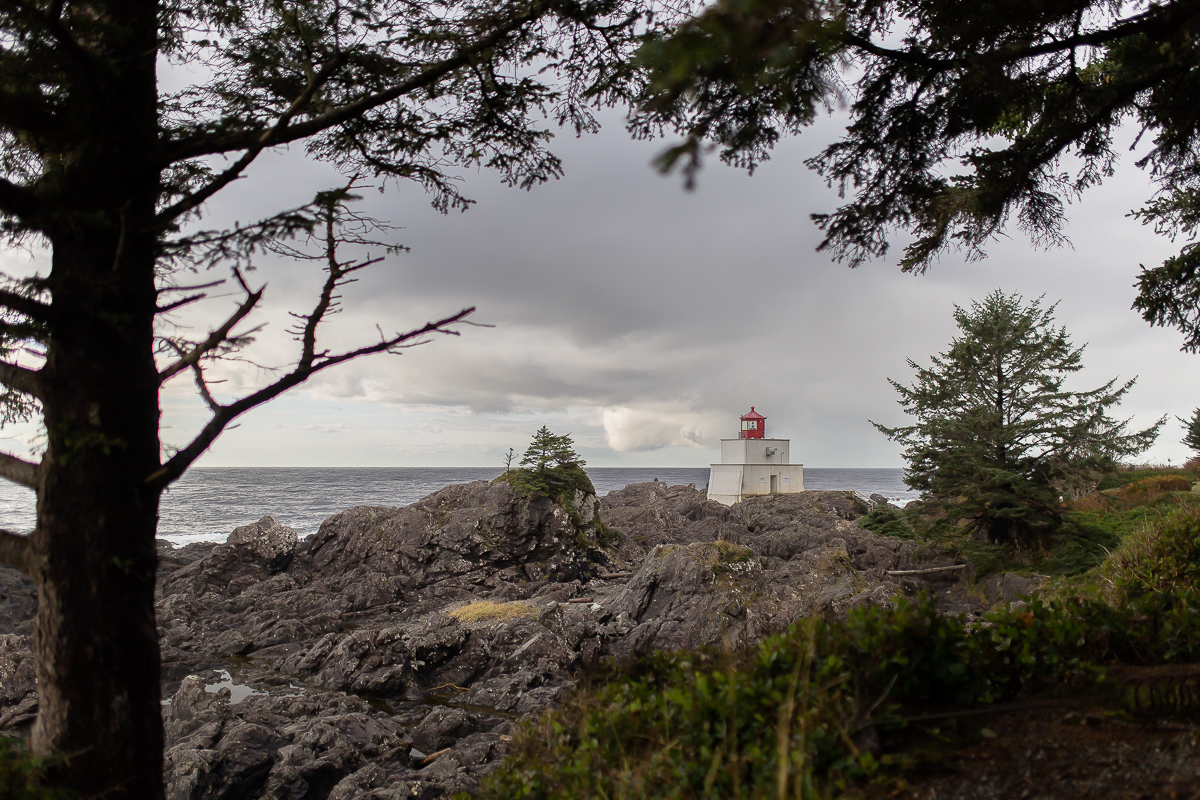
(753, 464)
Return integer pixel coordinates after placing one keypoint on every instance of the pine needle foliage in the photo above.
(550, 467)
(964, 118)
(1191, 427)
(997, 430)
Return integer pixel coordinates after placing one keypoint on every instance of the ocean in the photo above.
(207, 503)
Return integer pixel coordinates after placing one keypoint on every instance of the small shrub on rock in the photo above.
(888, 521)
(550, 468)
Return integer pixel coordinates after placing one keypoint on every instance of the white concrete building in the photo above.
(753, 464)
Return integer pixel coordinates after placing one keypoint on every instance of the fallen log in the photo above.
(925, 571)
(582, 600)
(429, 759)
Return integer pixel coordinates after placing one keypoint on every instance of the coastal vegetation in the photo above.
(550, 467)
(834, 707)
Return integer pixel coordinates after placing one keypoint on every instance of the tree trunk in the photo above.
(95, 640)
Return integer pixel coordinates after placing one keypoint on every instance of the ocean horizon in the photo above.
(207, 503)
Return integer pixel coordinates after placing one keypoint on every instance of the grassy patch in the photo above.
(1092, 528)
(491, 611)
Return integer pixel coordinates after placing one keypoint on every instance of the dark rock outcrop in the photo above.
(389, 654)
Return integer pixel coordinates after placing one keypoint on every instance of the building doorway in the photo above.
(774, 484)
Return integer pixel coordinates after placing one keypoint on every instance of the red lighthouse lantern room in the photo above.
(754, 425)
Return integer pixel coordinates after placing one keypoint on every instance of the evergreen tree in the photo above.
(119, 121)
(964, 117)
(996, 428)
(1191, 436)
(548, 448)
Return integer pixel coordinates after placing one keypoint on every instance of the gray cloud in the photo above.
(645, 319)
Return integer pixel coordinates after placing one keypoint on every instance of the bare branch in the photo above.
(23, 380)
(225, 414)
(20, 471)
(202, 387)
(183, 301)
(209, 285)
(216, 338)
(15, 551)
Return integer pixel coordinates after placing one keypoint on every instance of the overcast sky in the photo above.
(643, 319)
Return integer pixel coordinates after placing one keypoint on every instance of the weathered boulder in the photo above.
(269, 541)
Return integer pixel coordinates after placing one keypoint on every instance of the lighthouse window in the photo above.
(749, 424)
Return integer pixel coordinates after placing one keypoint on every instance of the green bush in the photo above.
(888, 521)
(559, 482)
(1163, 557)
(21, 774)
(781, 719)
(1125, 477)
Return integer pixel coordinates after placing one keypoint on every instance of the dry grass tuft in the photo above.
(491, 611)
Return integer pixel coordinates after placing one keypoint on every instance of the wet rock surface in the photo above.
(392, 653)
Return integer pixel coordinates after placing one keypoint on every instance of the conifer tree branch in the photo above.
(18, 201)
(283, 132)
(27, 112)
(23, 380)
(215, 339)
(20, 471)
(34, 309)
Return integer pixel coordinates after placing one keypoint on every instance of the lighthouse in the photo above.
(753, 464)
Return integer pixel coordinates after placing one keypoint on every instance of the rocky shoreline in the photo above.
(393, 653)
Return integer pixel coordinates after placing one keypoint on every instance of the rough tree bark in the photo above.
(93, 551)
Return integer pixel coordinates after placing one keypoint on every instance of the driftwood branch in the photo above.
(15, 551)
(926, 571)
(20, 471)
(23, 380)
